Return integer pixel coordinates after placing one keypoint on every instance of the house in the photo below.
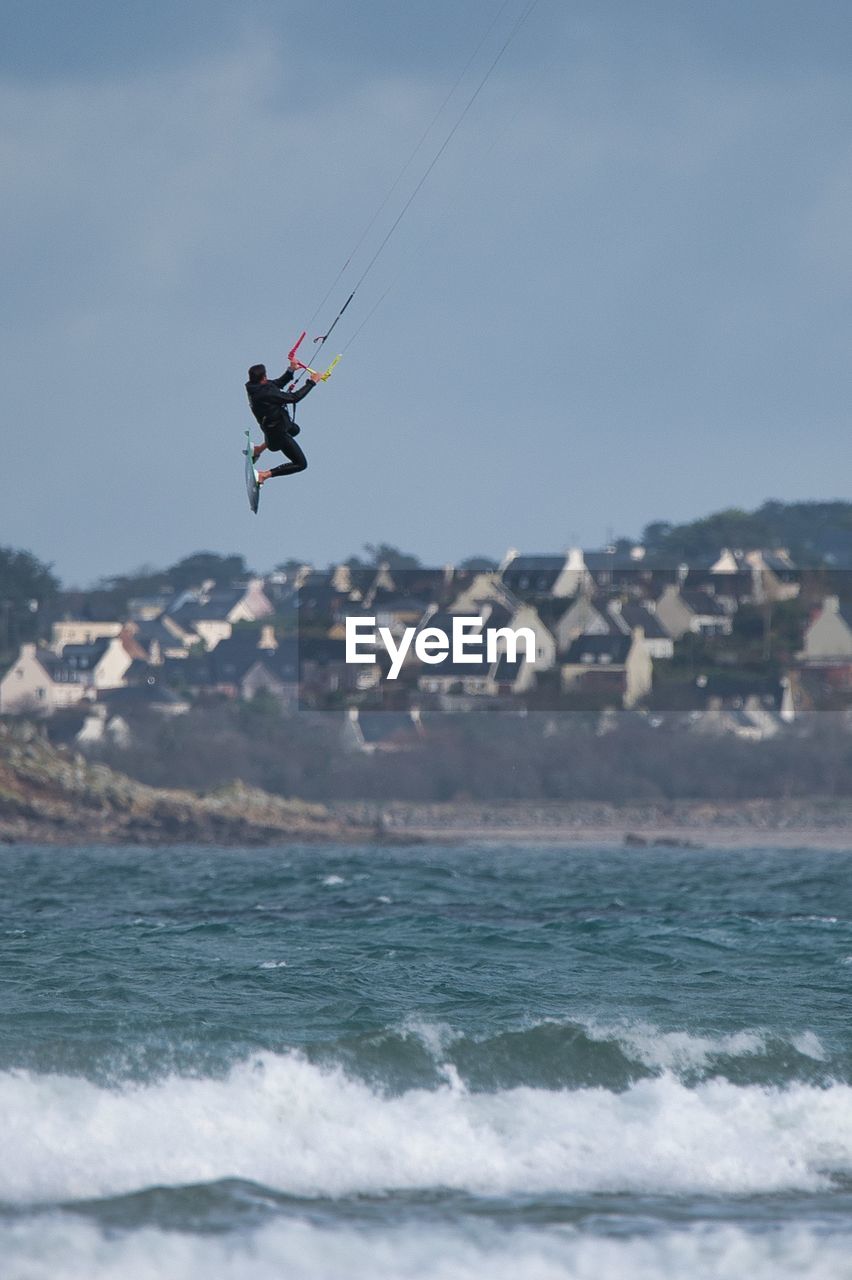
(157, 638)
(681, 610)
(394, 611)
(40, 682)
(102, 665)
(212, 612)
(495, 620)
(250, 662)
(512, 676)
(452, 678)
(614, 566)
(524, 618)
(324, 672)
(321, 603)
(381, 731)
(748, 719)
(87, 724)
(587, 615)
(617, 664)
(774, 575)
(828, 635)
(482, 587)
(771, 574)
(628, 615)
(543, 575)
(80, 631)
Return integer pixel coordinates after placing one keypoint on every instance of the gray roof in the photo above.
(701, 602)
(538, 563)
(84, 657)
(532, 578)
(155, 629)
(595, 561)
(636, 615)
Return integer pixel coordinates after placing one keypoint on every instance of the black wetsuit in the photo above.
(270, 406)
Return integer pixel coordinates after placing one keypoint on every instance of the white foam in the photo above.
(332, 880)
(273, 964)
(299, 1128)
(65, 1249)
(683, 1051)
(809, 1045)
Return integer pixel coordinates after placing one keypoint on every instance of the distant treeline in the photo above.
(815, 533)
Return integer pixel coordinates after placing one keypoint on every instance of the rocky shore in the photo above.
(53, 796)
(50, 795)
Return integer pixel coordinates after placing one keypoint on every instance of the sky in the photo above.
(622, 294)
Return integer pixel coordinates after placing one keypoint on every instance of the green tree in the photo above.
(478, 564)
(203, 565)
(815, 533)
(28, 589)
(384, 553)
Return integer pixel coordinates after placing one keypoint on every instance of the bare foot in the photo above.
(263, 476)
(256, 451)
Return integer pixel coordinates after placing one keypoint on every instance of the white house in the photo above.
(39, 682)
(829, 634)
(80, 631)
(616, 664)
(102, 665)
(582, 618)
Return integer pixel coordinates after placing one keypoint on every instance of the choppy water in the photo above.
(431, 1062)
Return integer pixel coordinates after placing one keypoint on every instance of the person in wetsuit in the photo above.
(270, 405)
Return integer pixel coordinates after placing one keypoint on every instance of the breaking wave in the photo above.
(306, 1129)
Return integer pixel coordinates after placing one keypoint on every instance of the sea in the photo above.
(519, 1062)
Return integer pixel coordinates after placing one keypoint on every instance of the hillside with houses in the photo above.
(740, 643)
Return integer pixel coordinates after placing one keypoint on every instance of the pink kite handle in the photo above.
(295, 348)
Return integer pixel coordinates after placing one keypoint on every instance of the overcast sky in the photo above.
(623, 293)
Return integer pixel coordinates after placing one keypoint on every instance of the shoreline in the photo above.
(817, 824)
(54, 797)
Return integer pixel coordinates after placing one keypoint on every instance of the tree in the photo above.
(479, 564)
(204, 565)
(27, 590)
(815, 533)
(384, 553)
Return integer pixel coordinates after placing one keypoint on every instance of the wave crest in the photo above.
(303, 1129)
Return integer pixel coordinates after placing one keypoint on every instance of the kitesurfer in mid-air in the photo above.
(269, 404)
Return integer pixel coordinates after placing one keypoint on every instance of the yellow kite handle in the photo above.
(323, 377)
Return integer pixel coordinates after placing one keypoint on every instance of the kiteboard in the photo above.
(252, 487)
